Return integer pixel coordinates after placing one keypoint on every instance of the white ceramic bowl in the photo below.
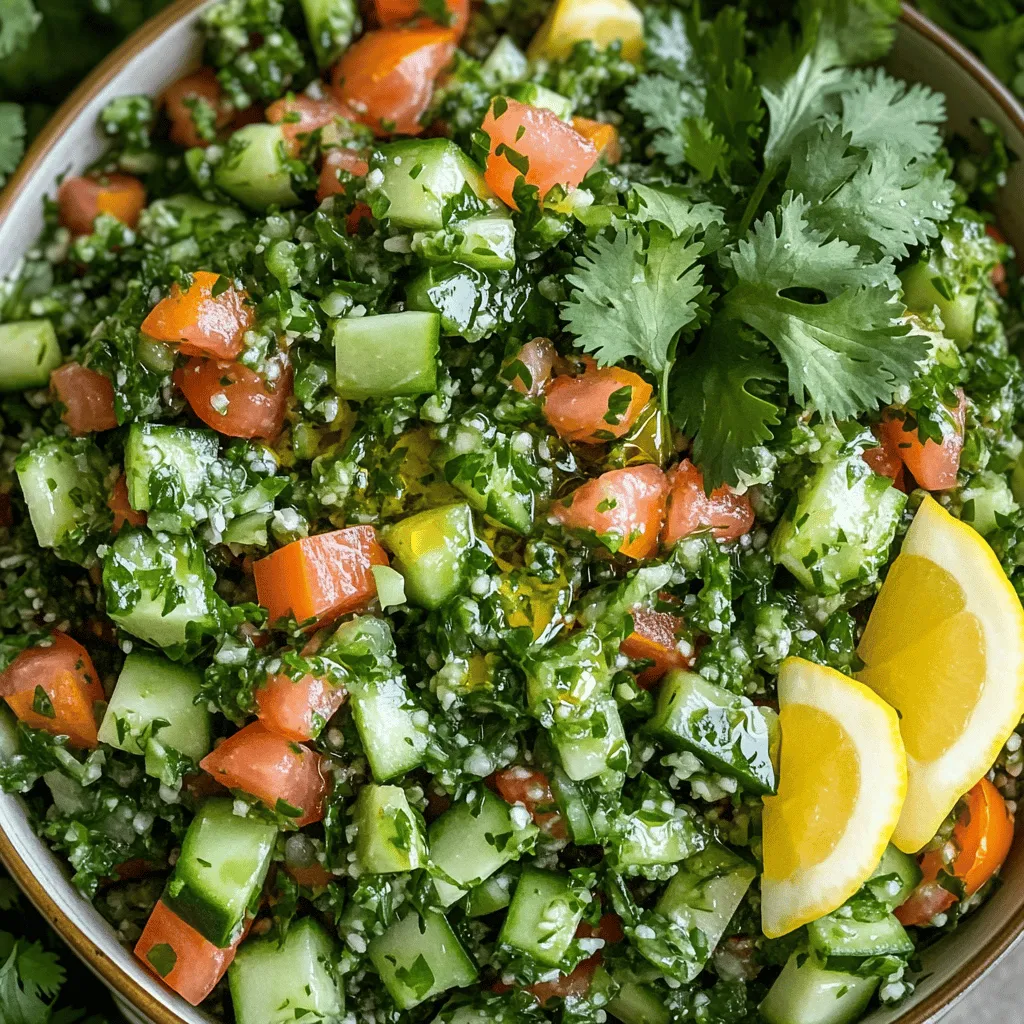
(154, 57)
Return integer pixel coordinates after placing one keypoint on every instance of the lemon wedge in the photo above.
(842, 782)
(945, 646)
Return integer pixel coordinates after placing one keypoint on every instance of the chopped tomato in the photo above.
(728, 514)
(134, 869)
(237, 401)
(999, 276)
(885, 460)
(397, 12)
(336, 160)
(203, 324)
(597, 405)
(316, 876)
(534, 361)
(565, 985)
(81, 200)
(387, 77)
(608, 928)
(119, 504)
(181, 99)
(983, 835)
(54, 688)
(284, 775)
(655, 638)
(176, 953)
(301, 115)
(933, 465)
(298, 710)
(624, 509)
(553, 151)
(603, 135)
(529, 787)
(320, 577)
(360, 212)
(87, 397)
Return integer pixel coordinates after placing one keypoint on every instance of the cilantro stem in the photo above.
(665, 374)
(756, 199)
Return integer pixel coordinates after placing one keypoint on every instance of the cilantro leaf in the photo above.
(683, 217)
(28, 978)
(18, 21)
(847, 353)
(633, 291)
(12, 138)
(718, 400)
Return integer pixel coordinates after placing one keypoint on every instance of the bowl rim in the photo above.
(120, 983)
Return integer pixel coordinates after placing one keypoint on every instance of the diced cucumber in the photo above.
(419, 957)
(69, 796)
(486, 243)
(926, 287)
(254, 169)
(633, 1002)
(331, 25)
(705, 894)
(805, 993)
(842, 526)
(386, 355)
(151, 690)
(724, 730)
(459, 294)
(486, 467)
(492, 895)
(157, 586)
(543, 916)
(184, 217)
(29, 351)
(430, 551)
(505, 63)
(219, 876)
(281, 982)
(390, 838)
(62, 482)
(166, 470)
(835, 937)
(589, 747)
(418, 177)
(9, 743)
(896, 877)
(547, 99)
(387, 719)
(654, 835)
(585, 818)
(472, 840)
(985, 499)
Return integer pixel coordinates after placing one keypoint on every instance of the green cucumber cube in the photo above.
(806, 993)
(219, 875)
(62, 482)
(386, 355)
(724, 730)
(543, 916)
(157, 585)
(9, 742)
(486, 243)
(633, 1002)
(417, 177)
(331, 25)
(547, 99)
(472, 840)
(390, 837)
(430, 551)
(925, 287)
(420, 957)
(30, 352)
(841, 528)
(390, 727)
(584, 816)
(839, 941)
(593, 746)
(653, 838)
(896, 877)
(254, 169)
(281, 982)
(505, 63)
(151, 690)
(491, 896)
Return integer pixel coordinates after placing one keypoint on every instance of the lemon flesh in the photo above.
(842, 782)
(603, 22)
(945, 646)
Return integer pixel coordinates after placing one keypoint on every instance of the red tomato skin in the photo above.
(81, 200)
(654, 638)
(288, 707)
(202, 86)
(316, 876)
(885, 460)
(253, 409)
(557, 153)
(199, 964)
(538, 357)
(271, 768)
(729, 515)
(301, 115)
(336, 160)
(637, 496)
(387, 77)
(530, 787)
(123, 512)
(88, 398)
(576, 404)
(575, 984)
(934, 466)
(397, 12)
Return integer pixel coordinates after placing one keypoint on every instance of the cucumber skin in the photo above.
(386, 355)
(31, 352)
(541, 895)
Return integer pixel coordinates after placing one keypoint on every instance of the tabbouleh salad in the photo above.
(428, 434)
